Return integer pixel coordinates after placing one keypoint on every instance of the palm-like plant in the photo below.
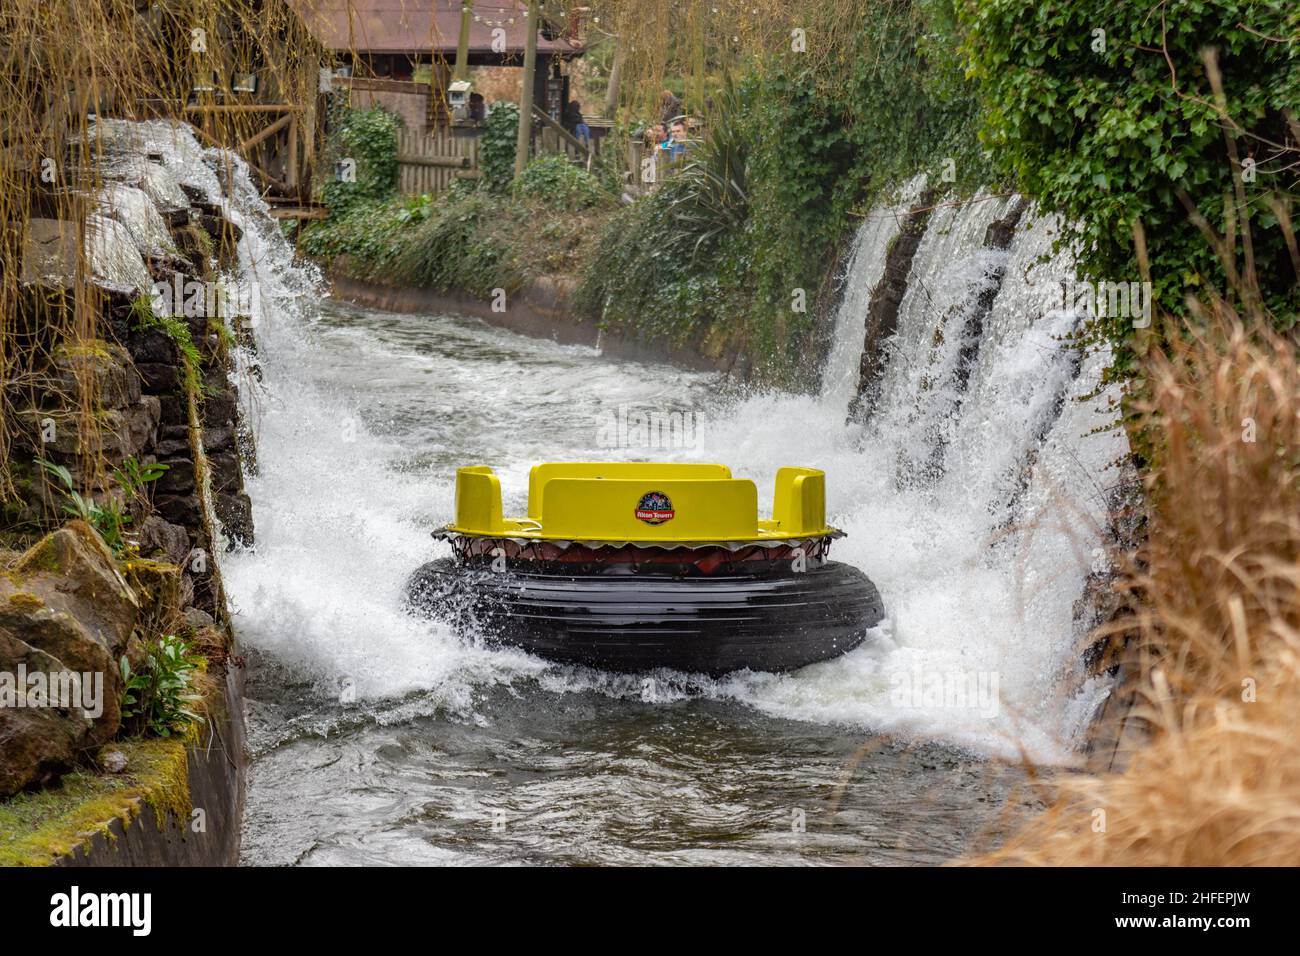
(708, 197)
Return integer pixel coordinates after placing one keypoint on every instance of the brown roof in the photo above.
(418, 26)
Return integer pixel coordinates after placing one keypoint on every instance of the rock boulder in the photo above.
(65, 609)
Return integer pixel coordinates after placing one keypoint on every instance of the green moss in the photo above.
(25, 601)
(179, 333)
(149, 566)
(225, 337)
(202, 240)
(38, 828)
(86, 348)
(42, 559)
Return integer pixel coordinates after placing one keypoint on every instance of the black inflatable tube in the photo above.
(628, 622)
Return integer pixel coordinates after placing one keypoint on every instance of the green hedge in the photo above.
(1104, 112)
(368, 138)
(499, 145)
(555, 181)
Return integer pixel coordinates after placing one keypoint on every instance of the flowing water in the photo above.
(362, 424)
(378, 737)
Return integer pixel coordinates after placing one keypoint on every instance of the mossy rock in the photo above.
(39, 828)
(157, 586)
(103, 366)
(73, 572)
(25, 601)
(86, 348)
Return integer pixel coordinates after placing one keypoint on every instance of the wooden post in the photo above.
(530, 71)
(291, 175)
(462, 46)
(615, 75)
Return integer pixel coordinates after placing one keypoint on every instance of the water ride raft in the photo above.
(633, 566)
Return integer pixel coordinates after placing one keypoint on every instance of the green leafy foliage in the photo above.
(648, 277)
(365, 232)
(555, 181)
(1107, 113)
(498, 146)
(416, 208)
(459, 246)
(464, 239)
(367, 138)
(107, 517)
(133, 476)
(708, 198)
(160, 699)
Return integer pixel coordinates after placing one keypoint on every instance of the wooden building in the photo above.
(399, 54)
(246, 76)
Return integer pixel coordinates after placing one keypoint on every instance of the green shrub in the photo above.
(369, 138)
(1106, 113)
(367, 232)
(649, 277)
(461, 246)
(160, 699)
(554, 180)
(498, 146)
(107, 517)
(708, 198)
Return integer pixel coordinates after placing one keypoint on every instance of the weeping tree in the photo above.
(64, 63)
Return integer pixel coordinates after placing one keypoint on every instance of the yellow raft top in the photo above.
(642, 501)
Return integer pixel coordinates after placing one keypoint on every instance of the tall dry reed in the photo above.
(1216, 662)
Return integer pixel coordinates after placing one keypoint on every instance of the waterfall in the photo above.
(972, 498)
(866, 265)
(981, 494)
(919, 392)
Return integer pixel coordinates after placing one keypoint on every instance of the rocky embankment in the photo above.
(144, 379)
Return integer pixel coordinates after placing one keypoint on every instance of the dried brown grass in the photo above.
(1213, 645)
(1216, 660)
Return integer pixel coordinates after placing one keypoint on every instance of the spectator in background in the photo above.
(677, 143)
(655, 135)
(669, 107)
(576, 124)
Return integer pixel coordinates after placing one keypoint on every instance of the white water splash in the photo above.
(979, 563)
(861, 276)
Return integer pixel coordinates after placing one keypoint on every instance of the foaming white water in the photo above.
(339, 524)
(865, 267)
(973, 510)
(338, 529)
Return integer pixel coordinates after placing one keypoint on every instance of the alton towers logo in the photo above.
(655, 507)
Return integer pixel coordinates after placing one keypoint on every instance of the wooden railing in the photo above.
(430, 162)
(283, 137)
(550, 137)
